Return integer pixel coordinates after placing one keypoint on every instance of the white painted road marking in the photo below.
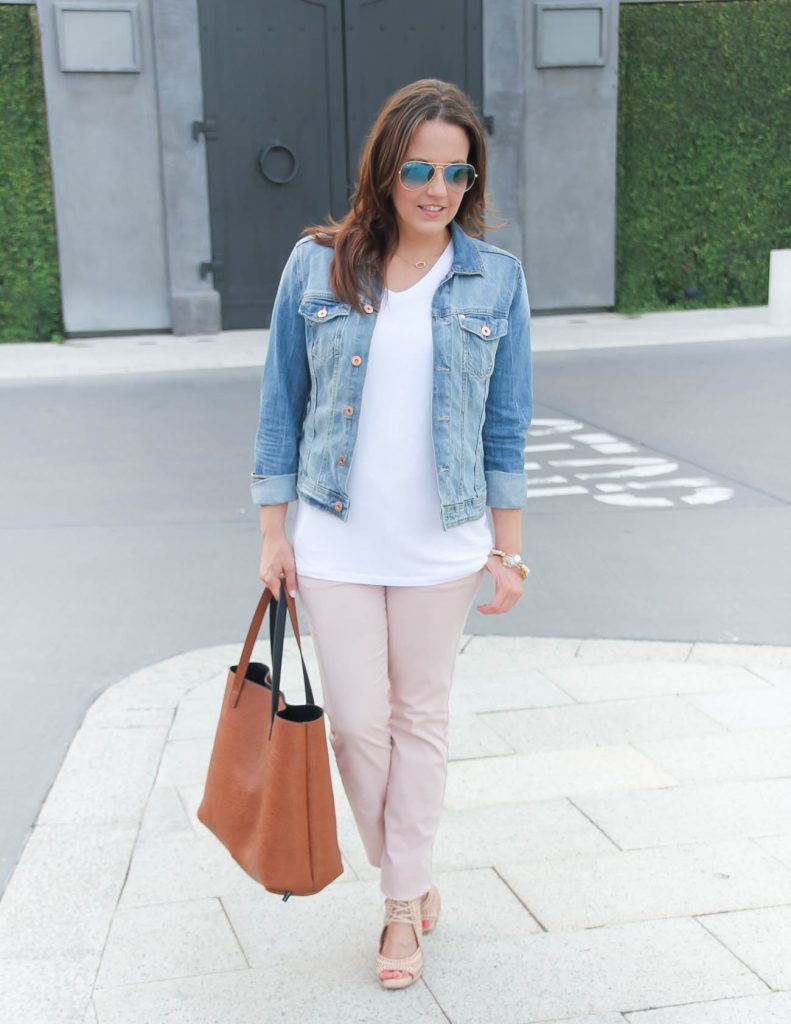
(546, 492)
(539, 428)
(616, 461)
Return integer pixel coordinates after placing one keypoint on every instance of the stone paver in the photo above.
(169, 940)
(772, 1009)
(614, 813)
(757, 754)
(621, 967)
(692, 814)
(760, 938)
(760, 708)
(603, 723)
(616, 680)
(588, 891)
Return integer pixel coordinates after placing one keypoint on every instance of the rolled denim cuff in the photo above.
(274, 490)
(505, 490)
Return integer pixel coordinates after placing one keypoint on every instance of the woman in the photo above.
(391, 540)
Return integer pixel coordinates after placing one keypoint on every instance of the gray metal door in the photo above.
(290, 88)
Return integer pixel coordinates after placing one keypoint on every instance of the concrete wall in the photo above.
(569, 141)
(131, 203)
(552, 160)
(104, 141)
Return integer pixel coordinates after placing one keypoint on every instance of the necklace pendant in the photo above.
(420, 264)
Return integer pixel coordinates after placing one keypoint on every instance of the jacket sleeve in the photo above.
(285, 387)
(509, 407)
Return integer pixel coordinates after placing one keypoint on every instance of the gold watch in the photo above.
(512, 561)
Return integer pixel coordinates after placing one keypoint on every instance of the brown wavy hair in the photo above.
(367, 236)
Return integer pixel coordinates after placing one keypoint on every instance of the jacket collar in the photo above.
(466, 256)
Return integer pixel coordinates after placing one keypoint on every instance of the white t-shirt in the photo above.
(393, 534)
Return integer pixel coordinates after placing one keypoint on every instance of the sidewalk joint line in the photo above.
(440, 1007)
(516, 895)
(753, 669)
(768, 853)
(233, 930)
(696, 917)
(595, 824)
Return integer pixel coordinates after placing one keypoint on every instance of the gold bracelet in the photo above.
(512, 561)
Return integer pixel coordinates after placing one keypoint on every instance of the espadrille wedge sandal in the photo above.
(409, 912)
(429, 909)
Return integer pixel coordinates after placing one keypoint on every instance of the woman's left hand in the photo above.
(509, 587)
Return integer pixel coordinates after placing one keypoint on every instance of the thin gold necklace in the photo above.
(420, 264)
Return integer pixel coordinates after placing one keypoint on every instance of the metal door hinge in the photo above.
(213, 267)
(207, 127)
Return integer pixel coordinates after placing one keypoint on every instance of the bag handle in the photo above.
(247, 650)
(277, 611)
(252, 635)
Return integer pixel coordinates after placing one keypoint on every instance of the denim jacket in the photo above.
(314, 373)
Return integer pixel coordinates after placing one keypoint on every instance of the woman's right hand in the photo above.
(277, 555)
(277, 564)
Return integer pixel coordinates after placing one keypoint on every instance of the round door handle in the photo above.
(276, 144)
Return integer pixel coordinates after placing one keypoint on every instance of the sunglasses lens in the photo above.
(460, 176)
(415, 174)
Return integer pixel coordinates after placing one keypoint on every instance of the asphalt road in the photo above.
(660, 488)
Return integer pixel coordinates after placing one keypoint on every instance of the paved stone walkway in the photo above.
(616, 847)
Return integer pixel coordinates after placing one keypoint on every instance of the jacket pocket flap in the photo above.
(486, 327)
(320, 310)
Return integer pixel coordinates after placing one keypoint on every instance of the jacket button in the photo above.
(342, 460)
(486, 331)
(322, 313)
(356, 360)
(349, 410)
(368, 307)
(338, 506)
(461, 316)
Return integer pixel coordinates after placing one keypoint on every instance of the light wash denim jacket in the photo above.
(314, 372)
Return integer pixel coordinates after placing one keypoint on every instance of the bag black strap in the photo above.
(277, 613)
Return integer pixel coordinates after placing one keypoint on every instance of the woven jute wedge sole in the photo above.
(429, 909)
(409, 912)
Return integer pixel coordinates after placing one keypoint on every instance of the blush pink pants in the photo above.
(386, 656)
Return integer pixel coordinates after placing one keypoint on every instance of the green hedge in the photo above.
(30, 307)
(704, 152)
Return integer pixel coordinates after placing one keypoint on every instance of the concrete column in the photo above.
(107, 184)
(780, 286)
(569, 162)
(194, 302)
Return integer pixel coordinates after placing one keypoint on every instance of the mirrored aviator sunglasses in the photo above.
(415, 174)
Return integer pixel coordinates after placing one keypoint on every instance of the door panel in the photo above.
(292, 86)
(389, 44)
(273, 82)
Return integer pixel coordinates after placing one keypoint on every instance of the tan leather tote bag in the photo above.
(268, 793)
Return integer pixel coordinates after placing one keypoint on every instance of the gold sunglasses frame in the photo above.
(438, 167)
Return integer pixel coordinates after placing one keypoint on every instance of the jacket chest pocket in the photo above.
(480, 333)
(325, 320)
